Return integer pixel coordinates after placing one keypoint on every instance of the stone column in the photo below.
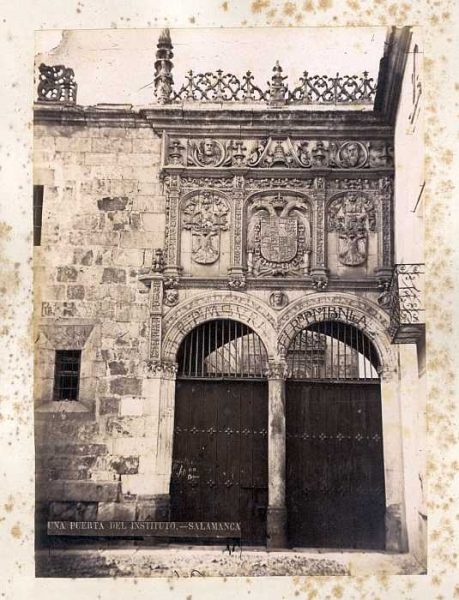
(277, 512)
(318, 266)
(396, 535)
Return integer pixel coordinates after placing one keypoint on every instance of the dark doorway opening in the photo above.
(220, 445)
(335, 470)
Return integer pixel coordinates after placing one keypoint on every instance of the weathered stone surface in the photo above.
(111, 275)
(115, 511)
(91, 491)
(67, 273)
(124, 464)
(125, 426)
(68, 463)
(73, 511)
(83, 257)
(126, 386)
(81, 449)
(75, 292)
(117, 367)
(115, 203)
(78, 474)
(109, 406)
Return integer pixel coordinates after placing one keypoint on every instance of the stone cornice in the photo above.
(367, 284)
(243, 120)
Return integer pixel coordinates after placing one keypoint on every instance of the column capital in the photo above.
(161, 369)
(277, 370)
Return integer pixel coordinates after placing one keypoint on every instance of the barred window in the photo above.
(37, 213)
(67, 374)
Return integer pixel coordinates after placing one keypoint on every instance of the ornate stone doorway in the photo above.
(335, 493)
(220, 441)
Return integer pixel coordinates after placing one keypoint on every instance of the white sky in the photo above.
(112, 65)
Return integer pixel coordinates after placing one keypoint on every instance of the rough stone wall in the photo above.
(103, 214)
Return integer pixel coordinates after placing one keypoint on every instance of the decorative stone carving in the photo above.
(56, 84)
(277, 370)
(163, 68)
(352, 216)
(225, 183)
(278, 182)
(278, 236)
(349, 155)
(157, 368)
(171, 297)
(158, 262)
(278, 300)
(205, 215)
(237, 282)
(320, 282)
(206, 153)
(280, 153)
(171, 282)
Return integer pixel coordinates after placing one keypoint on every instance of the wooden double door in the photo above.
(335, 475)
(335, 495)
(220, 454)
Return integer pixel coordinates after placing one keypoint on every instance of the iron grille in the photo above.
(334, 351)
(222, 348)
(67, 374)
(37, 213)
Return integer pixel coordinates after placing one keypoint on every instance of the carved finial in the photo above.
(277, 89)
(163, 68)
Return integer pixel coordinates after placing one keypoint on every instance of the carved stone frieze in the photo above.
(205, 215)
(352, 215)
(157, 368)
(278, 235)
(279, 153)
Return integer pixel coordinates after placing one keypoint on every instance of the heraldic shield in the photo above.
(279, 238)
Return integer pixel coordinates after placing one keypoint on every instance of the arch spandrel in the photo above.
(216, 305)
(354, 310)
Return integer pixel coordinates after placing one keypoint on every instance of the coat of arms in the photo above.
(352, 216)
(278, 236)
(205, 216)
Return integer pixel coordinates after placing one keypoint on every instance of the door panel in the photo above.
(335, 473)
(220, 468)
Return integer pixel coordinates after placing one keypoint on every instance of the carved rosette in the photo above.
(205, 215)
(278, 235)
(352, 216)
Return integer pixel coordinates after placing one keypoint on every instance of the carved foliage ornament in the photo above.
(278, 236)
(352, 216)
(205, 215)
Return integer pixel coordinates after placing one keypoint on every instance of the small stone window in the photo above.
(67, 374)
(37, 213)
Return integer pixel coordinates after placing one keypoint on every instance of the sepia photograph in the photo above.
(228, 297)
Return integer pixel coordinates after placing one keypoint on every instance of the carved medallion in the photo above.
(171, 297)
(206, 153)
(352, 216)
(278, 236)
(278, 300)
(205, 215)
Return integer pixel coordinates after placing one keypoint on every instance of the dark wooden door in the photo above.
(220, 468)
(335, 472)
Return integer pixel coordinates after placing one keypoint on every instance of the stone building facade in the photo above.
(268, 212)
